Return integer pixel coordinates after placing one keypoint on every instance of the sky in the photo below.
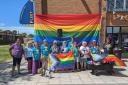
(9, 16)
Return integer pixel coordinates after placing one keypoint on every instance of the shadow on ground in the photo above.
(117, 73)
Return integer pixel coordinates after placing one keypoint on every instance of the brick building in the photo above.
(114, 14)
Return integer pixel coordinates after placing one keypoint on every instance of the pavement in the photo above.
(83, 77)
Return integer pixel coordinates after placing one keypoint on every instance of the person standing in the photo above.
(54, 50)
(28, 55)
(75, 50)
(45, 50)
(16, 51)
(36, 58)
(95, 48)
(85, 54)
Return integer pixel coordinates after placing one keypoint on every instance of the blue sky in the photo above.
(9, 15)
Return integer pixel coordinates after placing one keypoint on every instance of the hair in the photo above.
(84, 42)
(30, 42)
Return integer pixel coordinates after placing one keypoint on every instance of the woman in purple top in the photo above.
(16, 51)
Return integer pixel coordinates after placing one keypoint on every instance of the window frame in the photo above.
(114, 7)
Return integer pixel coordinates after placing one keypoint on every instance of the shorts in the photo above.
(77, 59)
(16, 61)
(83, 59)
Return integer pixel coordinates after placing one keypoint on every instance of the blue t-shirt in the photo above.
(94, 50)
(70, 44)
(54, 50)
(36, 53)
(28, 52)
(45, 50)
(75, 51)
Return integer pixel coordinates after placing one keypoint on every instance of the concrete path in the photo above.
(83, 77)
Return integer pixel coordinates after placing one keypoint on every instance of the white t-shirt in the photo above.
(84, 50)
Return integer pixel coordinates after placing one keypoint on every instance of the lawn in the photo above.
(4, 53)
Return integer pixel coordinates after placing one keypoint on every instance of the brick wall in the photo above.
(67, 6)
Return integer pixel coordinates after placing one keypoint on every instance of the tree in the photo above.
(24, 34)
(30, 35)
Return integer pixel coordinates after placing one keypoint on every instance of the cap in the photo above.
(94, 41)
(84, 42)
(44, 40)
(54, 41)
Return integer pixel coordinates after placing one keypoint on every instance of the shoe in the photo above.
(19, 73)
(12, 75)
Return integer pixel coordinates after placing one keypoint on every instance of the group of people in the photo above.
(38, 54)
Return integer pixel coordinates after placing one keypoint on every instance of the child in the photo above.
(45, 50)
(36, 58)
(28, 54)
(76, 54)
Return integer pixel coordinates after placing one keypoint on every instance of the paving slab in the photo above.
(82, 77)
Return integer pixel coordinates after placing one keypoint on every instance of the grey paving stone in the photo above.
(83, 77)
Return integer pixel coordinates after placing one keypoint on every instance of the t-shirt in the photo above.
(70, 44)
(28, 52)
(64, 49)
(94, 50)
(54, 50)
(36, 53)
(17, 50)
(45, 50)
(84, 50)
(75, 51)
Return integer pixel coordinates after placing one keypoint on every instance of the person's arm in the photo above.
(23, 52)
(10, 50)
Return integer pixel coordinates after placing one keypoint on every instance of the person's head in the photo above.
(18, 41)
(36, 44)
(29, 44)
(45, 42)
(54, 43)
(94, 43)
(84, 43)
(64, 43)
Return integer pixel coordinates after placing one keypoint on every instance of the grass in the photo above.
(4, 53)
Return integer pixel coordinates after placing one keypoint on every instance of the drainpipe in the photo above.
(124, 6)
(115, 2)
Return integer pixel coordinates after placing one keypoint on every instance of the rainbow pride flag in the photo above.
(80, 26)
(66, 61)
(115, 59)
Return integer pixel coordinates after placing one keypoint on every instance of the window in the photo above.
(117, 5)
(116, 29)
(109, 29)
(124, 29)
(127, 5)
